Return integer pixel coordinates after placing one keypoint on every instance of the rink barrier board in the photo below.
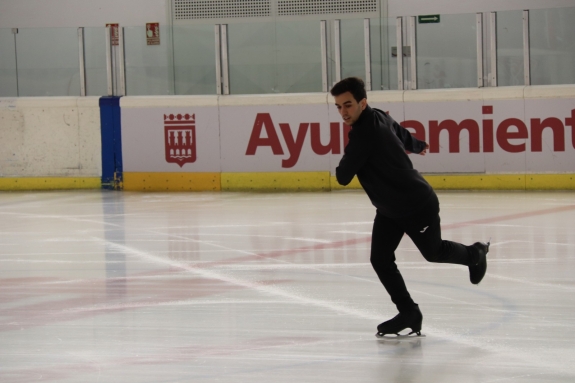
(256, 147)
(50, 143)
(267, 179)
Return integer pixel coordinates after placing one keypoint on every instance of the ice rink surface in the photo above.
(105, 286)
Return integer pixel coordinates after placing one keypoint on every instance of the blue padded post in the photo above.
(110, 117)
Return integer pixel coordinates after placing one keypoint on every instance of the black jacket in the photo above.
(376, 153)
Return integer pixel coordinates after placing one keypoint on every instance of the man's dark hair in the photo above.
(353, 85)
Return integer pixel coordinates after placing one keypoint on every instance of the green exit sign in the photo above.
(428, 19)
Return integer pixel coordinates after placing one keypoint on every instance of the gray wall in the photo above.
(446, 51)
(80, 13)
(96, 13)
(425, 7)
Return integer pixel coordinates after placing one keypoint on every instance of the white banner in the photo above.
(277, 138)
(465, 136)
(171, 139)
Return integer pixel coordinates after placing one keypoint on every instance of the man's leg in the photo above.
(425, 231)
(385, 238)
(426, 235)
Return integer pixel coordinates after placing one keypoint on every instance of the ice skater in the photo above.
(404, 201)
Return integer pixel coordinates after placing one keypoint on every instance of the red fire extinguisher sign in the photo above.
(153, 33)
(114, 33)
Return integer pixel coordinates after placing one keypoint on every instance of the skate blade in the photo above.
(411, 335)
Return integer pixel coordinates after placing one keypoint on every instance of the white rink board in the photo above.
(500, 160)
(446, 160)
(550, 157)
(50, 137)
(498, 136)
(144, 144)
(267, 128)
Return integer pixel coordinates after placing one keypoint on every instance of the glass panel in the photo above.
(382, 38)
(148, 67)
(510, 48)
(252, 58)
(195, 59)
(95, 57)
(48, 62)
(283, 57)
(446, 53)
(298, 49)
(8, 84)
(552, 50)
(352, 48)
(383, 64)
(376, 51)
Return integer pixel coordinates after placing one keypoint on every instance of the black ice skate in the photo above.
(408, 319)
(477, 271)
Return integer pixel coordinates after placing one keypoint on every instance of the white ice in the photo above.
(239, 287)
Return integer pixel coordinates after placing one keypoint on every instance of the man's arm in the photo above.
(424, 151)
(409, 141)
(354, 157)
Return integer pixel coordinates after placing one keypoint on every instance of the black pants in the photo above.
(424, 229)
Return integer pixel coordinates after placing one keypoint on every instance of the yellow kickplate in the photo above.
(50, 183)
(477, 181)
(172, 181)
(550, 182)
(278, 181)
(502, 181)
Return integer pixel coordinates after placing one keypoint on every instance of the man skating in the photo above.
(405, 203)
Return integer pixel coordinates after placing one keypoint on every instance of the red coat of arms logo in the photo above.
(180, 138)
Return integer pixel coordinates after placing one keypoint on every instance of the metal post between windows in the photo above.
(337, 47)
(399, 50)
(109, 61)
(479, 34)
(218, 39)
(323, 36)
(225, 66)
(122, 62)
(367, 49)
(413, 57)
(82, 61)
(493, 47)
(526, 50)
(15, 32)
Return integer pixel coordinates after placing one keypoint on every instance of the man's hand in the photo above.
(422, 153)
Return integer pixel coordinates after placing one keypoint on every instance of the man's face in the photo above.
(348, 108)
